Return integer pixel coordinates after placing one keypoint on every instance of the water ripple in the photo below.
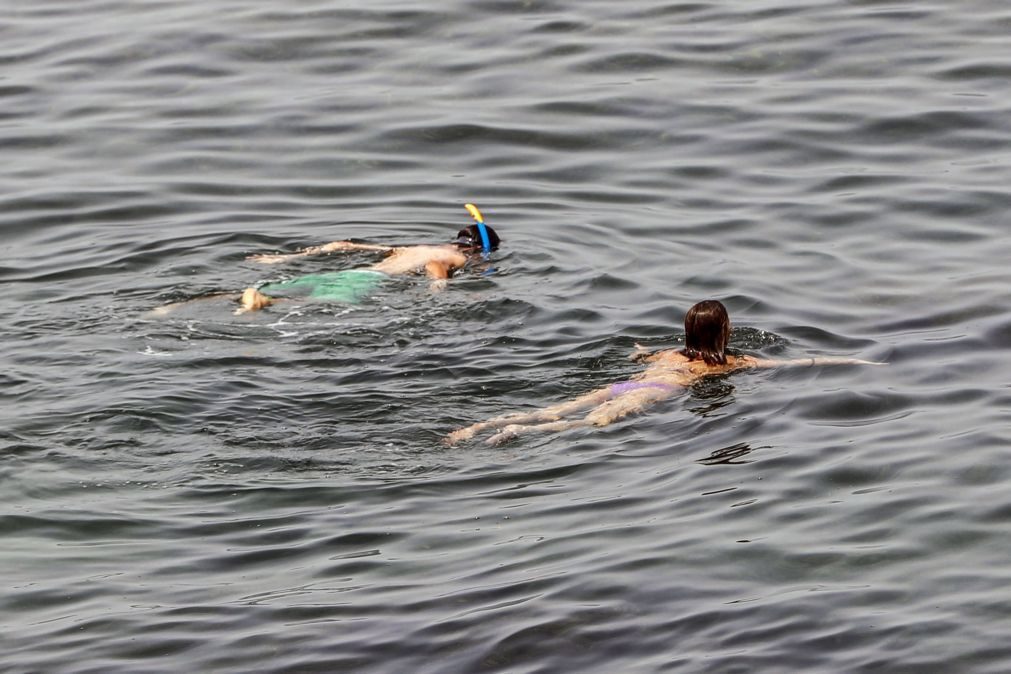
(211, 492)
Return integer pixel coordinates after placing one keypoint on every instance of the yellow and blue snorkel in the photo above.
(481, 228)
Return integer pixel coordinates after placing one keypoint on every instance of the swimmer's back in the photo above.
(414, 258)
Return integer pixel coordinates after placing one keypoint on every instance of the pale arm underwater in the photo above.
(332, 247)
(642, 355)
(806, 362)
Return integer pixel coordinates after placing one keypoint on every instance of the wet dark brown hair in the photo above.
(707, 331)
(470, 237)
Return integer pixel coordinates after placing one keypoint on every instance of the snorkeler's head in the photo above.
(470, 237)
(707, 331)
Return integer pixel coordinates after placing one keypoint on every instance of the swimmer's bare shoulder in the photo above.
(676, 363)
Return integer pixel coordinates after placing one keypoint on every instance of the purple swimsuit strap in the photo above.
(626, 386)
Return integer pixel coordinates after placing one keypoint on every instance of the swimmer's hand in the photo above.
(641, 353)
(460, 435)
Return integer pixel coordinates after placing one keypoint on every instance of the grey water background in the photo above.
(219, 493)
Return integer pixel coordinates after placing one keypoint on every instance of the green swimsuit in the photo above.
(350, 286)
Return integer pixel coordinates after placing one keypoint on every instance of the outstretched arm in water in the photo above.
(804, 362)
(332, 247)
(642, 355)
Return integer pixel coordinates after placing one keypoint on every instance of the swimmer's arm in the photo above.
(748, 361)
(332, 247)
(439, 272)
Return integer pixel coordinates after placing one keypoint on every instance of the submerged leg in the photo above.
(548, 414)
(632, 402)
(603, 414)
(166, 309)
(512, 430)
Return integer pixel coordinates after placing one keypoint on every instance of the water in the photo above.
(268, 493)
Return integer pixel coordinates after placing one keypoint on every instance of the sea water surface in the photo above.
(268, 492)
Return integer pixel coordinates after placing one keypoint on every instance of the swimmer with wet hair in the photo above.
(707, 332)
(438, 262)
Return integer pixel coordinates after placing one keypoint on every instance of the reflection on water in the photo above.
(710, 395)
(734, 454)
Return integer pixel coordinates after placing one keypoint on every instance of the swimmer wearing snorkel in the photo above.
(707, 331)
(437, 262)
